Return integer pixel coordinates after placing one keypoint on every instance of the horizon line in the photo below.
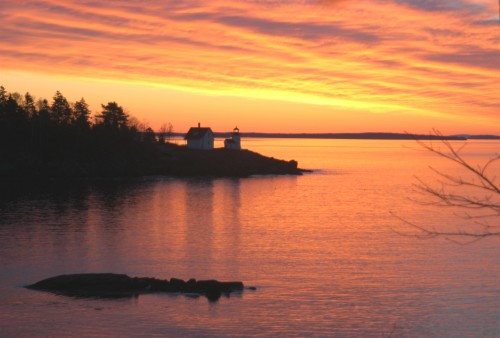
(360, 135)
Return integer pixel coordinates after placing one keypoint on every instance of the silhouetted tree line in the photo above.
(58, 138)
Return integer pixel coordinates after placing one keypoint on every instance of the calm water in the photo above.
(319, 248)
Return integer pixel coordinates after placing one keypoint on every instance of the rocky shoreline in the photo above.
(181, 161)
(111, 285)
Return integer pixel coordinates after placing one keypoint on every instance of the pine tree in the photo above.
(61, 111)
(113, 116)
(81, 113)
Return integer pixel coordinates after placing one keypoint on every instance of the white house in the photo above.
(200, 138)
(235, 141)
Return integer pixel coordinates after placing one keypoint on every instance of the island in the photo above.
(182, 161)
(148, 160)
(111, 285)
(59, 139)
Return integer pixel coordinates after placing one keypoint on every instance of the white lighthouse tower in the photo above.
(235, 141)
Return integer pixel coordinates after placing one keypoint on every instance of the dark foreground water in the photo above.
(321, 250)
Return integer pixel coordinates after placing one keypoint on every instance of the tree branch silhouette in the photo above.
(477, 194)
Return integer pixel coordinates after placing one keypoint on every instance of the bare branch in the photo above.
(477, 192)
(459, 237)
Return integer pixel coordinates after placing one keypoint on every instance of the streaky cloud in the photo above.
(445, 5)
(424, 57)
(487, 59)
(299, 30)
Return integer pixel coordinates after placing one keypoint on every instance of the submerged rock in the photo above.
(109, 285)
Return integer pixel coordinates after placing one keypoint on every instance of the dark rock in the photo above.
(210, 288)
(106, 285)
(177, 285)
(157, 285)
(231, 286)
(225, 162)
(190, 286)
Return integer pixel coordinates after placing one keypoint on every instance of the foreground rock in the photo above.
(107, 285)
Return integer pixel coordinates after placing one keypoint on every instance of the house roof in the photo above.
(196, 133)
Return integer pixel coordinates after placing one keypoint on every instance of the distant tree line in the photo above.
(59, 138)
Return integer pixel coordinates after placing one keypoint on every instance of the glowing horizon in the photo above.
(265, 65)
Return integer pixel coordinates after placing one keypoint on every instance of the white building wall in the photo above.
(194, 144)
(237, 141)
(233, 143)
(207, 142)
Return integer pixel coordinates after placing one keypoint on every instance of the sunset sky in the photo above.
(264, 65)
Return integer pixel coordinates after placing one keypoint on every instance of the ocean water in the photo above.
(325, 250)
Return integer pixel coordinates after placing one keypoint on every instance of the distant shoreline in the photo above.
(359, 136)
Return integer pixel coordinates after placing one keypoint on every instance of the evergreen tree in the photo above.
(3, 96)
(17, 97)
(29, 105)
(14, 125)
(81, 113)
(43, 109)
(113, 116)
(57, 138)
(42, 123)
(61, 111)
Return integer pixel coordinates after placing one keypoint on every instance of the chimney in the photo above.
(199, 125)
